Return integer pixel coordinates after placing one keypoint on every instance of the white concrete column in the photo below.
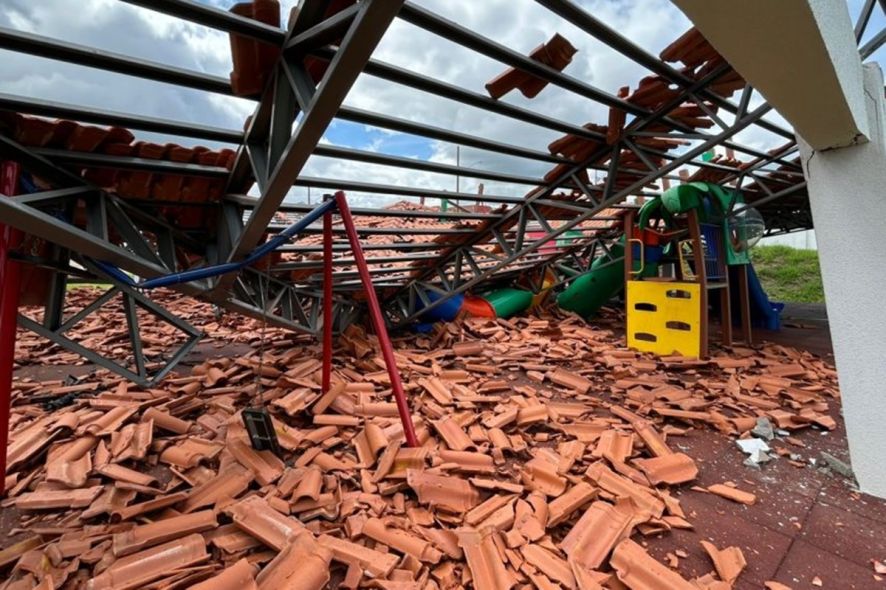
(847, 191)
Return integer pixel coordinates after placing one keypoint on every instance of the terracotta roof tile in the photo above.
(401, 540)
(563, 507)
(240, 576)
(303, 564)
(161, 531)
(596, 533)
(485, 561)
(375, 563)
(48, 499)
(141, 568)
(728, 562)
(639, 571)
(671, 469)
(446, 492)
(554, 567)
(255, 516)
(229, 483)
(734, 494)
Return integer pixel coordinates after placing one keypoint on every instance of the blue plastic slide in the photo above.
(765, 314)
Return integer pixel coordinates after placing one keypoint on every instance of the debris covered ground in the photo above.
(552, 457)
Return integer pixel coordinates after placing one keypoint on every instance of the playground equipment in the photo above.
(687, 248)
(699, 253)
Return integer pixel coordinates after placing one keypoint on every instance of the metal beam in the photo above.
(342, 153)
(215, 18)
(82, 55)
(612, 38)
(98, 160)
(618, 196)
(47, 108)
(392, 73)
(364, 34)
(454, 32)
(439, 133)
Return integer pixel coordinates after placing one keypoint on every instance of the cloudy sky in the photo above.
(520, 24)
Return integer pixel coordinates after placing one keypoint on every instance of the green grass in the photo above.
(789, 274)
(102, 286)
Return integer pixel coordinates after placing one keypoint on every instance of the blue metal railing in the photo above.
(205, 272)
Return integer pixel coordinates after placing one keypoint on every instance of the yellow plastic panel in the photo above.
(664, 317)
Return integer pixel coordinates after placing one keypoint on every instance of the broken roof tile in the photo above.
(161, 531)
(255, 516)
(672, 469)
(151, 564)
(728, 562)
(731, 493)
(639, 571)
(447, 492)
(303, 564)
(487, 567)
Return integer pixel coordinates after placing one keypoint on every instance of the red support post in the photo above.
(327, 302)
(10, 286)
(378, 322)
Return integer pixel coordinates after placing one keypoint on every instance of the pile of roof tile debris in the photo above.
(548, 453)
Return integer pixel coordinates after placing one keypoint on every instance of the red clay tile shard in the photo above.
(670, 469)
(240, 576)
(560, 509)
(475, 348)
(447, 492)
(418, 548)
(310, 486)
(190, 452)
(728, 562)
(468, 462)
(264, 465)
(302, 565)
(621, 487)
(127, 512)
(488, 571)
(152, 564)
(599, 529)
(615, 446)
(125, 474)
(255, 516)
(540, 474)
(453, 434)
(229, 483)
(375, 563)
(161, 531)
(733, 494)
(552, 566)
(638, 571)
(556, 53)
(48, 499)
(563, 377)
(71, 464)
(483, 511)
(369, 443)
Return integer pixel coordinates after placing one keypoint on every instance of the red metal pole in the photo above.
(327, 302)
(10, 285)
(378, 322)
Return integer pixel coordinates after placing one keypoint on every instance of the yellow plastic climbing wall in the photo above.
(664, 317)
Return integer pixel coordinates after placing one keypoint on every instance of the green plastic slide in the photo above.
(589, 292)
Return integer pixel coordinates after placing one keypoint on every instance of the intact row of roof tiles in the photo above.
(550, 481)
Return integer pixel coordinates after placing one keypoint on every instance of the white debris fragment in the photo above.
(756, 449)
